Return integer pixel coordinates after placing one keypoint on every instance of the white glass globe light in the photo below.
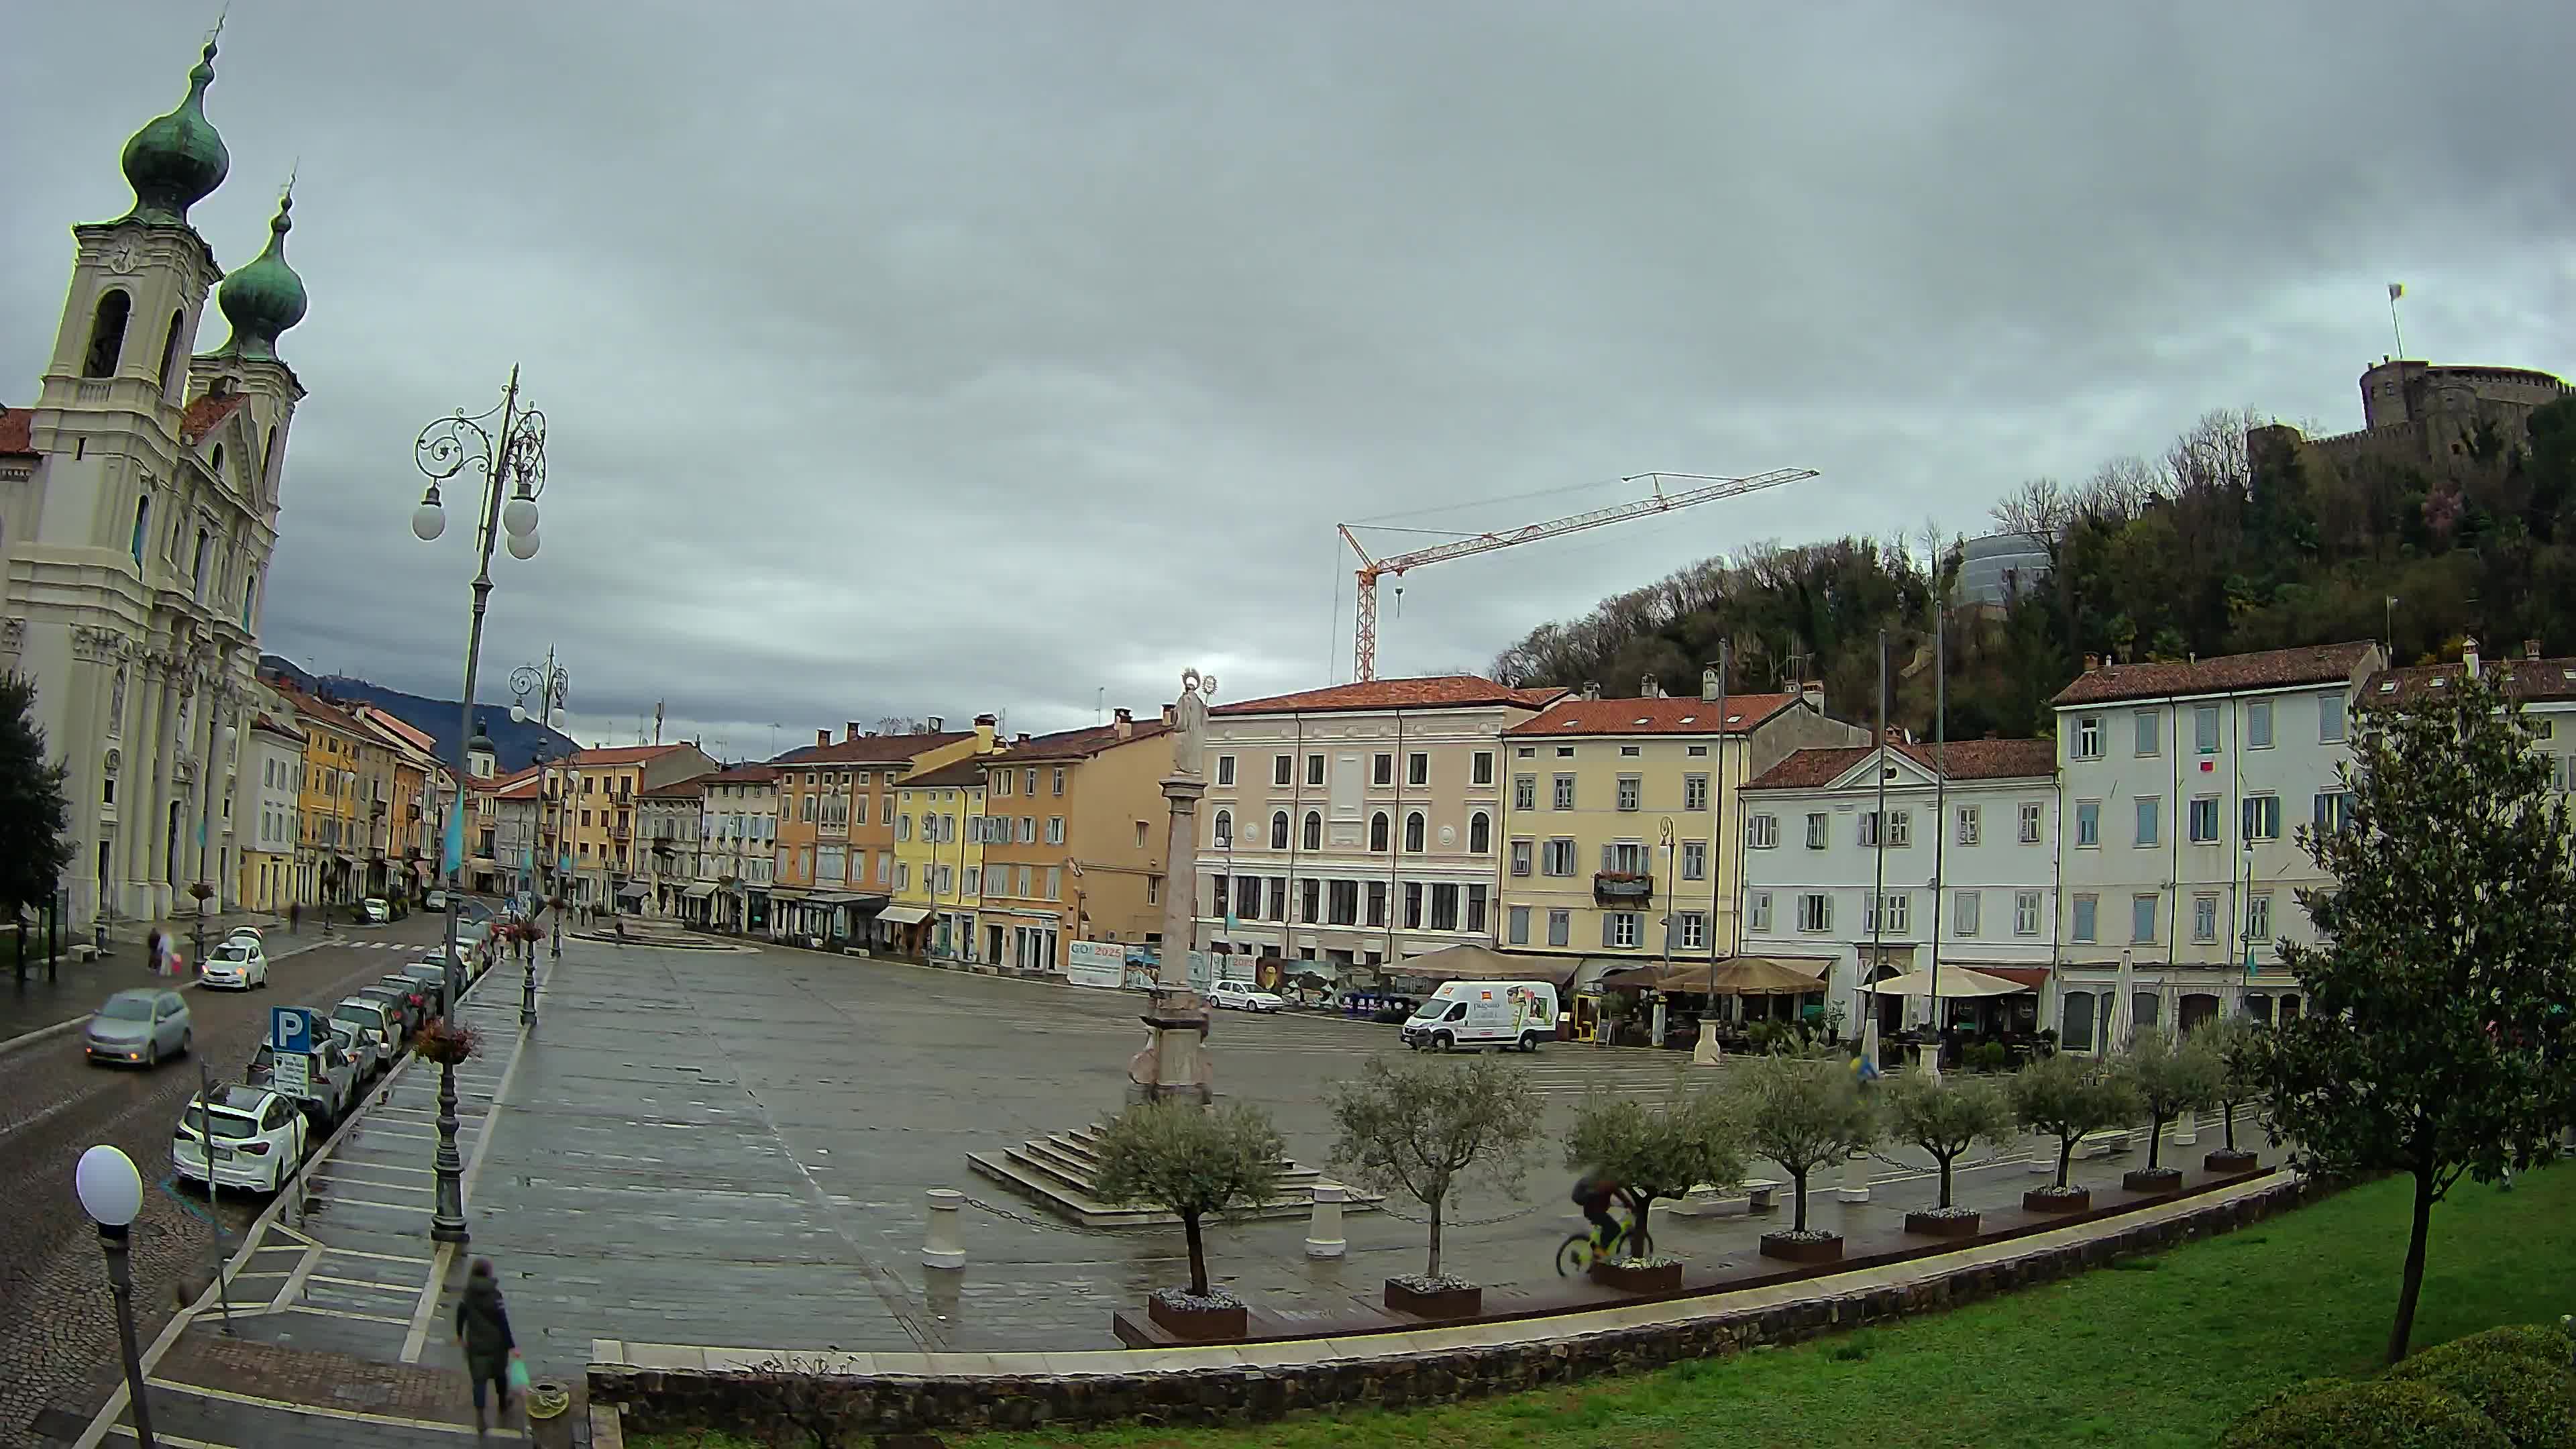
(523, 545)
(519, 516)
(428, 521)
(518, 714)
(111, 1191)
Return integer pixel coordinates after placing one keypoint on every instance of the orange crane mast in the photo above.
(1371, 569)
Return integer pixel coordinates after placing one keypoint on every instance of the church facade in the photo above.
(138, 513)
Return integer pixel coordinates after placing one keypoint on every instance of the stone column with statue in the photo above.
(1174, 1062)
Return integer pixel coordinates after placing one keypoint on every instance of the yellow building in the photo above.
(1075, 836)
(330, 834)
(1620, 819)
(835, 851)
(938, 859)
(601, 814)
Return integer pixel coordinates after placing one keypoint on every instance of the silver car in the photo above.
(374, 1021)
(332, 1079)
(140, 1026)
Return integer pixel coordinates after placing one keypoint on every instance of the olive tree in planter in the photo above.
(2239, 1045)
(1657, 1150)
(1945, 1116)
(2168, 1078)
(1803, 1112)
(2066, 1096)
(1191, 1161)
(1425, 1128)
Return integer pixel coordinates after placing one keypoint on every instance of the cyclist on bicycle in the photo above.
(1594, 1192)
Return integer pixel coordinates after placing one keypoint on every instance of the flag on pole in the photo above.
(2396, 290)
(454, 863)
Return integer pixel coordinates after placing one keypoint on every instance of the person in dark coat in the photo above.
(483, 1327)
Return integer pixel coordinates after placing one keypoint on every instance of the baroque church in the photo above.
(138, 511)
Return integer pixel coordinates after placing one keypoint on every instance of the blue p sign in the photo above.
(290, 1029)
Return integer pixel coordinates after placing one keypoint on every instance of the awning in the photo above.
(1956, 981)
(904, 915)
(1734, 976)
(833, 898)
(633, 889)
(698, 892)
(1475, 963)
(2031, 978)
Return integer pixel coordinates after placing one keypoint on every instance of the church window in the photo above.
(218, 469)
(107, 334)
(142, 519)
(170, 351)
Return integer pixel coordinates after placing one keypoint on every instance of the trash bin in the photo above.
(549, 1414)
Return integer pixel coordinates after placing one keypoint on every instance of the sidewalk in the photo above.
(39, 1007)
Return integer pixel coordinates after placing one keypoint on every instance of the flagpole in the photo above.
(2395, 291)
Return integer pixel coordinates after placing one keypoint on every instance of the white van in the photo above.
(1485, 1013)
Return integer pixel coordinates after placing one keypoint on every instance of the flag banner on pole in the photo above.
(2396, 290)
(455, 840)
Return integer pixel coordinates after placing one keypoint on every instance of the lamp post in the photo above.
(552, 686)
(111, 1192)
(507, 446)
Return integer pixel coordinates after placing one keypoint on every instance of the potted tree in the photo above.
(1191, 1161)
(2066, 1096)
(1945, 1116)
(1803, 1112)
(2239, 1045)
(1424, 1127)
(2168, 1078)
(1657, 1150)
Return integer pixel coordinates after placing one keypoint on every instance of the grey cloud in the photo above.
(936, 358)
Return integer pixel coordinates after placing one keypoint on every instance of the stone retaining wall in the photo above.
(659, 1401)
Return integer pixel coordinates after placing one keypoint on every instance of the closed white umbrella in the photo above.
(2123, 1010)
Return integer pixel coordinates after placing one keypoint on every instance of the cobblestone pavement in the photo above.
(57, 1334)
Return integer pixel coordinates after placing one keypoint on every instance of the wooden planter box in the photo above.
(1930, 1225)
(2224, 1160)
(2049, 1200)
(1802, 1250)
(2152, 1179)
(1226, 1322)
(1662, 1278)
(1461, 1302)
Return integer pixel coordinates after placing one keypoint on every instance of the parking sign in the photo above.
(290, 1029)
(291, 1073)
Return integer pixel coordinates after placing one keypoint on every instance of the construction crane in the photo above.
(1372, 569)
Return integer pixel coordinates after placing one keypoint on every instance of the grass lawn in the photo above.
(2157, 1352)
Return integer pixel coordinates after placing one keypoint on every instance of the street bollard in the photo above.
(2043, 1154)
(2187, 1128)
(1855, 1186)
(1324, 1225)
(942, 1247)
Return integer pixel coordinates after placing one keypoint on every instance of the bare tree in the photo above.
(2038, 509)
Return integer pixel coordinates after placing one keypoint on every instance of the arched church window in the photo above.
(218, 469)
(170, 351)
(107, 334)
(142, 520)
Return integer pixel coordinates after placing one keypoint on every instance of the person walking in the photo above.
(152, 951)
(483, 1330)
(295, 918)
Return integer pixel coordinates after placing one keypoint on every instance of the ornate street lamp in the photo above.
(507, 447)
(111, 1192)
(552, 687)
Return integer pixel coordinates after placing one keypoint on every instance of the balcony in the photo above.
(1623, 887)
(621, 832)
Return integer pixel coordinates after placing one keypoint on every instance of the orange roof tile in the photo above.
(623, 754)
(2224, 674)
(17, 429)
(1967, 760)
(207, 413)
(743, 775)
(1079, 744)
(1438, 691)
(967, 774)
(871, 749)
(2524, 679)
(1653, 716)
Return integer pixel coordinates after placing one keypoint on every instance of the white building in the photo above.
(265, 820)
(1964, 869)
(515, 804)
(738, 838)
(138, 509)
(1341, 825)
(2183, 787)
(669, 820)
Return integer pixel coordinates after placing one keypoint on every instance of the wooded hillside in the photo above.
(2203, 550)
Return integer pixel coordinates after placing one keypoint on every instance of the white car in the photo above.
(377, 912)
(246, 933)
(237, 965)
(255, 1138)
(1243, 996)
(434, 901)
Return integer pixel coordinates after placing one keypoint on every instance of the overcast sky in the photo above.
(944, 357)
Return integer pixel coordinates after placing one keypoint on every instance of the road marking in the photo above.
(365, 1283)
(294, 1287)
(427, 1307)
(359, 1202)
(321, 1411)
(338, 1313)
(173, 1440)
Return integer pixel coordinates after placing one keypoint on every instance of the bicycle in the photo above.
(1581, 1250)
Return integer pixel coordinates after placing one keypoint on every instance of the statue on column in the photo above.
(1189, 722)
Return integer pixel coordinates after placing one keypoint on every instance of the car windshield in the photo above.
(1429, 1010)
(228, 1126)
(358, 1015)
(229, 952)
(127, 1008)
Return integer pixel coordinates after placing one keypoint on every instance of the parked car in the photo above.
(142, 1025)
(434, 901)
(471, 930)
(237, 965)
(430, 974)
(239, 1136)
(377, 1021)
(398, 1003)
(246, 933)
(1244, 996)
(1484, 1013)
(375, 910)
(423, 995)
(333, 1076)
(371, 1058)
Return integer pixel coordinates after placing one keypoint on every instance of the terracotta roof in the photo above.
(967, 773)
(623, 754)
(17, 430)
(692, 788)
(871, 749)
(1079, 744)
(1967, 760)
(522, 786)
(264, 722)
(2225, 674)
(743, 775)
(2524, 679)
(1438, 691)
(327, 713)
(207, 413)
(1652, 716)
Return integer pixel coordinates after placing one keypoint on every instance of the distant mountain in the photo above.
(514, 745)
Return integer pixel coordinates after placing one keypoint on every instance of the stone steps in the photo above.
(1059, 1171)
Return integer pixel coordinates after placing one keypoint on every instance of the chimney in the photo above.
(2092, 663)
(2469, 657)
(850, 730)
(1592, 689)
(2531, 649)
(1023, 739)
(822, 737)
(1171, 715)
(1125, 723)
(1708, 686)
(936, 725)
